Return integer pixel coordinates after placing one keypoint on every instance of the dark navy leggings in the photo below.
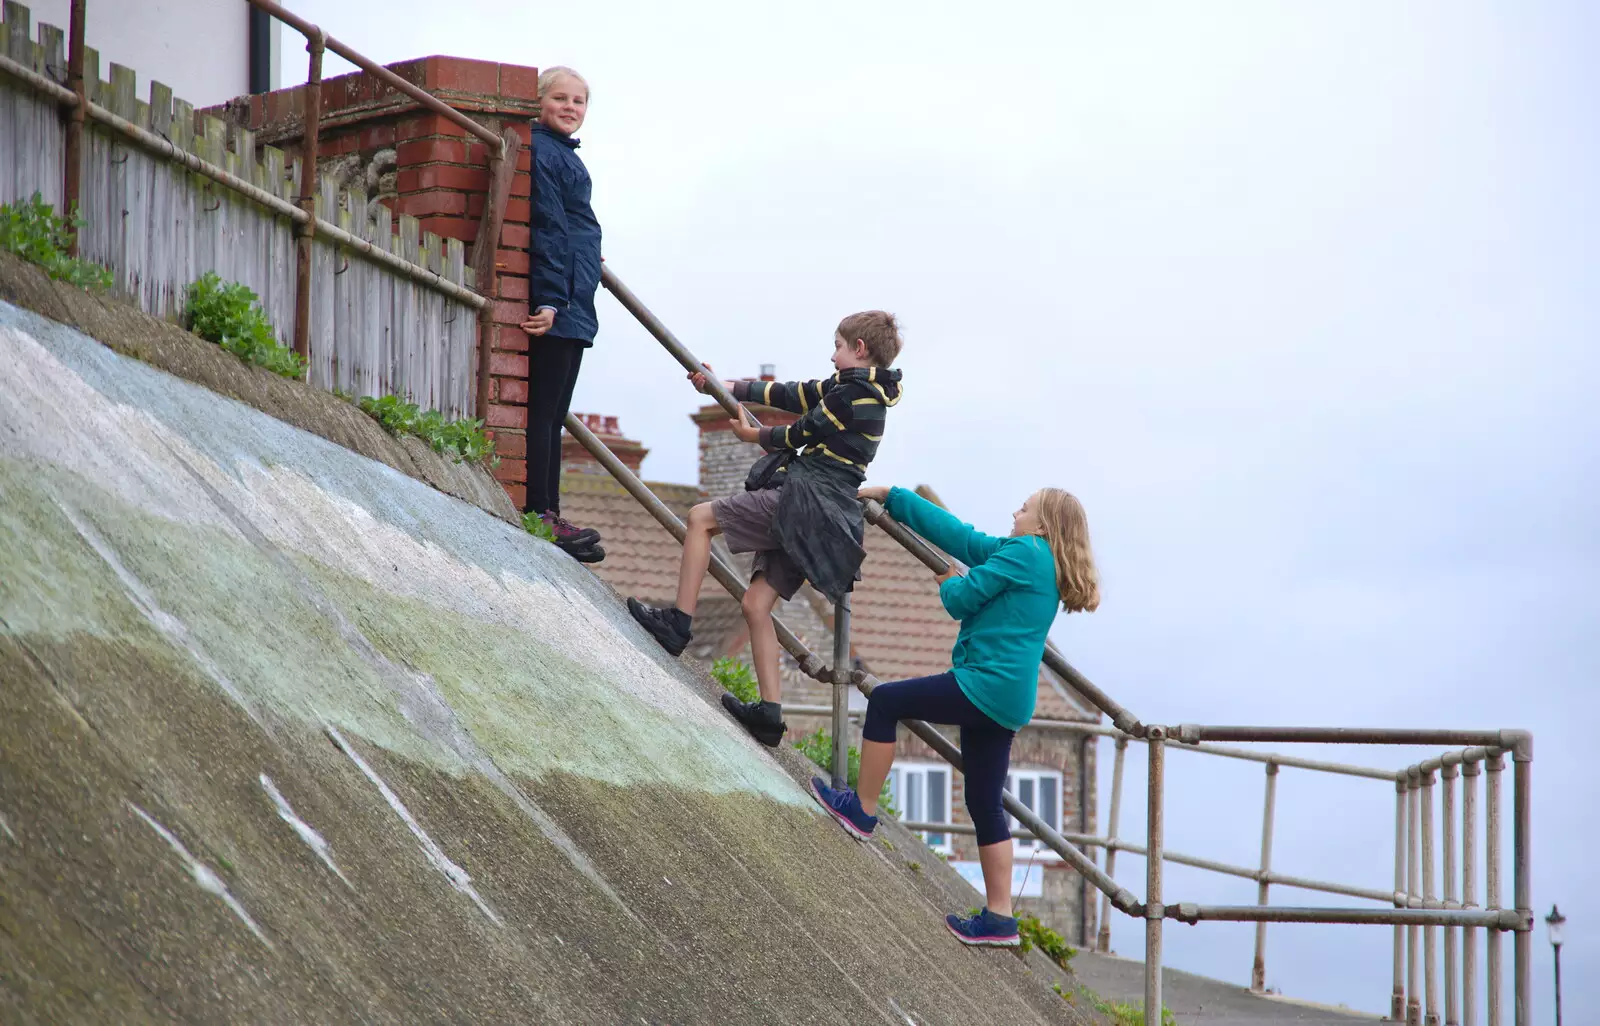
(985, 745)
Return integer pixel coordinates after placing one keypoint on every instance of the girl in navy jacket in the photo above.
(564, 272)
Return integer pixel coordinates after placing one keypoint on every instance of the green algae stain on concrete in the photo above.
(285, 645)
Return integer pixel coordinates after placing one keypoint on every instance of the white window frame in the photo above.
(900, 776)
(1027, 785)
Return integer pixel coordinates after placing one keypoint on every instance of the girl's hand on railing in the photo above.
(949, 572)
(877, 493)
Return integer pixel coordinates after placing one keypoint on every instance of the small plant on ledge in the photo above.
(737, 677)
(537, 527)
(34, 232)
(463, 439)
(229, 314)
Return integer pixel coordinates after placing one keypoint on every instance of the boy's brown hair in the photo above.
(877, 328)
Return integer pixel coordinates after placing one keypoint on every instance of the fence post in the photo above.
(841, 692)
(1470, 773)
(1154, 911)
(1449, 772)
(1103, 941)
(307, 229)
(1493, 766)
(1414, 900)
(1430, 934)
(1258, 972)
(72, 157)
(486, 271)
(1522, 879)
(1397, 1000)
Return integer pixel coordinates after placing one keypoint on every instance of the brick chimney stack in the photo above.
(724, 460)
(575, 459)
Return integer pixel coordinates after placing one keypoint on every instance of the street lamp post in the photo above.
(1554, 921)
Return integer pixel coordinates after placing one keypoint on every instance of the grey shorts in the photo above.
(746, 520)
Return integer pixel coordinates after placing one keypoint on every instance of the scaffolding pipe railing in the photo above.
(1414, 909)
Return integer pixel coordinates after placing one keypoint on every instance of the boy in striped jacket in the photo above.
(799, 513)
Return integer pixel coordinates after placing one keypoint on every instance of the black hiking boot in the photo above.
(669, 626)
(764, 720)
(591, 554)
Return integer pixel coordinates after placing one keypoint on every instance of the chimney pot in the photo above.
(769, 372)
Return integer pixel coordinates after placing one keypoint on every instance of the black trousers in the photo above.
(985, 745)
(552, 375)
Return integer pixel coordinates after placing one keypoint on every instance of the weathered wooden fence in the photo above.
(159, 226)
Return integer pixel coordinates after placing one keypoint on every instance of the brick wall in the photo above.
(422, 164)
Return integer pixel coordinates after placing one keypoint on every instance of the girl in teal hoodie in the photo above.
(1006, 603)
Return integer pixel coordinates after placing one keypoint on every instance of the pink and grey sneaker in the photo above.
(568, 535)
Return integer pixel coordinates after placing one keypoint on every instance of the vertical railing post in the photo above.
(1258, 971)
(307, 230)
(1470, 772)
(72, 167)
(1493, 766)
(1449, 772)
(841, 692)
(1430, 896)
(485, 269)
(1397, 999)
(1414, 898)
(1103, 942)
(1154, 911)
(1522, 879)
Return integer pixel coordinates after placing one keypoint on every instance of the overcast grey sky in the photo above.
(1297, 297)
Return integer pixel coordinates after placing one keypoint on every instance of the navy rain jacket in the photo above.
(564, 251)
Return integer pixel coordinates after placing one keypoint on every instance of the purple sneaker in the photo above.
(568, 535)
(843, 805)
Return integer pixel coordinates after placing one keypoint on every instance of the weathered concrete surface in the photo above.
(1201, 1001)
(127, 329)
(288, 736)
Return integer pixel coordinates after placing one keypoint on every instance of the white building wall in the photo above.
(201, 48)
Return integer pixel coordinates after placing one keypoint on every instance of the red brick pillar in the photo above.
(440, 176)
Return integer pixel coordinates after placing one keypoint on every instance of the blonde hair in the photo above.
(549, 76)
(1066, 529)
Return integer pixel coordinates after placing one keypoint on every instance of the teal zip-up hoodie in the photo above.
(1006, 604)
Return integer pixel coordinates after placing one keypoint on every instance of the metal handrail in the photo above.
(1411, 912)
(378, 71)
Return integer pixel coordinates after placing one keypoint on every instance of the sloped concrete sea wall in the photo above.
(288, 735)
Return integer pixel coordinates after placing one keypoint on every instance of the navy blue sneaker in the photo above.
(844, 806)
(984, 930)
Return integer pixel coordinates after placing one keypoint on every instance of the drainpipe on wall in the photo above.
(263, 51)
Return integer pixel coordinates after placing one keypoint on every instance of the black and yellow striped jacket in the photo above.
(841, 418)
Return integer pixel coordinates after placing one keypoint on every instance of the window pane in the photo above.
(1025, 793)
(897, 790)
(915, 786)
(938, 811)
(1049, 795)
